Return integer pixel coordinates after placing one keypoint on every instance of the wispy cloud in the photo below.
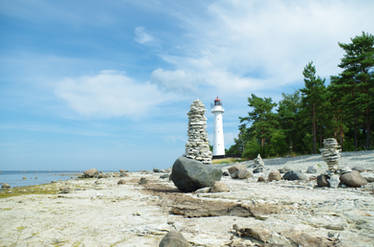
(110, 94)
(243, 46)
(142, 36)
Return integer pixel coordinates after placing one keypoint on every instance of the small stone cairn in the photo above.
(331, 154)
(197, 146)
(258, 164)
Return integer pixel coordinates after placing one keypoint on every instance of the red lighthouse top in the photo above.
(217, 101)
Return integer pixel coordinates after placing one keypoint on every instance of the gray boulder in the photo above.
(274, 176)
(142, 180)
(5, 186)
(239, 172)
(311, 169)
(189, 175)
(284, 170)
(294, 175)
(121, 181)
(90, 173)
(219, 187)
(323, 180)
(174, 239)
(164, 176)
(353, 179)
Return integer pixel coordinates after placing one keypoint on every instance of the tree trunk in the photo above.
(314, 129)
(355, 134)
(368, 130)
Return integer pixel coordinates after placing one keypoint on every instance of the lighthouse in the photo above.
(218, 140)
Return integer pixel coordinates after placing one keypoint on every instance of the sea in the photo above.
(26, 178)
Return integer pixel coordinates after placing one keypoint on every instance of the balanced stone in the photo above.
(197, 146)
(331, 153)
(258, 164)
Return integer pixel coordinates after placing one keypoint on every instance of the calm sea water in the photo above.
(24, 178)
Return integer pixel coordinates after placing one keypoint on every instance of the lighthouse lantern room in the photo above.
(218, 139)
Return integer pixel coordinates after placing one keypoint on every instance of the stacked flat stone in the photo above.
(197, 146)
(331, 153)
(258, 161)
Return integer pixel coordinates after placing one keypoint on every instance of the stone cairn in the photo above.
(197, 146)
(331, 153)
(258, 164)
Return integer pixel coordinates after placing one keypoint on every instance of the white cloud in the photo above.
(110, 93)
(243, 46)
(142, 36)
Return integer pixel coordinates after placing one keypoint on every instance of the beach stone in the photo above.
(225, 173)
(174, 239)
(121, 181)
(261, 179)
(5, 186)
(258, 170)
(90, 173)
(369, 176)
(294, 175)
(156, 170)
(322, 180)
(219, 187)
(188, 175)
(334, 180)
(240, 172)
(164, 176)
(103, 175)
(311, 169)
(64, 190)
(274, 176)
(284, 170)
(123, 174)
(359, 169)
(143, 181)
(353, 179)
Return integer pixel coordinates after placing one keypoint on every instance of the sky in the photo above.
(107, 84)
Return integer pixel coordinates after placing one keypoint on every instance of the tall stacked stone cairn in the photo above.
(197, 146)
(331, 154)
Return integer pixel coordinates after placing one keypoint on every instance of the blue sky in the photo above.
(107, 84)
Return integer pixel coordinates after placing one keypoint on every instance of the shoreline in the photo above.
(141, 209)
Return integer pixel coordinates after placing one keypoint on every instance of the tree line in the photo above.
(298, 123)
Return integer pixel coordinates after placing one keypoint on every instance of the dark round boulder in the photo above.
(189, 175)
(322, 180)
(353, 179)
(174, 239)
(294, 175)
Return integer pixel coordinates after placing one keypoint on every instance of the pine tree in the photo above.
(358, 76)
(313, 96)
(262, 119)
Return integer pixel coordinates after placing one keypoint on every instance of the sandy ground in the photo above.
(99, 212)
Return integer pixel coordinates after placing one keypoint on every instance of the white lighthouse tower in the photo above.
(218, 145)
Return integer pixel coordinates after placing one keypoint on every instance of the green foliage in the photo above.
(251, 149)
(343, 110)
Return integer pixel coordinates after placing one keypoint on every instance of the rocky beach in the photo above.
(140, 208)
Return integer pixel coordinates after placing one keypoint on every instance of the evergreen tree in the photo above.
(358, 75)
(313, 96)
(289, 120)
(263, 121)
